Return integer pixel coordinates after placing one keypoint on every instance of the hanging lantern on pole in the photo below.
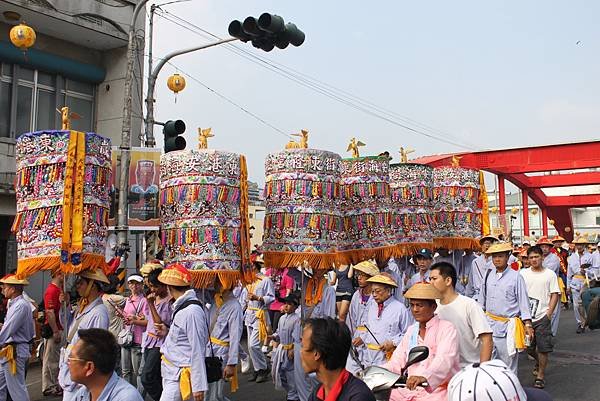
(176, 83)
(22, 36)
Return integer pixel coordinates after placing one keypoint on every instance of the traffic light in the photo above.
(267, 32)
(172, 131)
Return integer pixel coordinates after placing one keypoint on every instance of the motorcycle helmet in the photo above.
(491, 380)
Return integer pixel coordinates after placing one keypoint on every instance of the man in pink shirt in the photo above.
(427, 380)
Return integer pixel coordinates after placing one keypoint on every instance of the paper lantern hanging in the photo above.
(514, 211)
(494, 209)
(551, 222)
(176, 83)
(22, 36)
(534, 211)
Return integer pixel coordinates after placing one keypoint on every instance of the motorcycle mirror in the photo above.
(416, 355)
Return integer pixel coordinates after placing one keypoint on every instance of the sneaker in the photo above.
(253, 377)
(263, 376)
(245, 364)
(580, 330)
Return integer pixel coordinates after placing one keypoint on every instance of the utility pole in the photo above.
(149, 141)
(149, 131)
(122, 228)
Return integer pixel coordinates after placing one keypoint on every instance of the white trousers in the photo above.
(259, 361)
(215, 391)
(501, 352)
(15, 385)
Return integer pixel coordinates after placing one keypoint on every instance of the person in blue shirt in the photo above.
(15, 337)
(92, 362)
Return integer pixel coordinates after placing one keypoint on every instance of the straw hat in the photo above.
(422, 291)
(176, 275)
(558, 238)
(383, 279)
(500, 247)
(94, 274)
(12, 279)
(582, 240)
(544, 241)
(367, 267)
(489, 236)
(149, 267)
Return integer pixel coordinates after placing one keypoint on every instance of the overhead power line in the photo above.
(327, 90)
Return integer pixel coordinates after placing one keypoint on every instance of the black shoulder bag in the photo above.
(214, 365)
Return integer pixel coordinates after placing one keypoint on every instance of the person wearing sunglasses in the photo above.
(92, 363)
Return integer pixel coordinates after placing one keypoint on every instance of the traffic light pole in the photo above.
(149, 130)
(122, 228)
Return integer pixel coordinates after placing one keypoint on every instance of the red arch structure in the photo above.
(514, 165)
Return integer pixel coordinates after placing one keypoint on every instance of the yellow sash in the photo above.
(563, 292)
(287, 346)
(377, 347)
(234, 379)
(519, 328)
(579, 276)
(222, 343)
(361, 328)
(8, 353)
(262, 323)
(185, 380)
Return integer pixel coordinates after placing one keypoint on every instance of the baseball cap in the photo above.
(426, 253)
(135, 277)
(491, 380)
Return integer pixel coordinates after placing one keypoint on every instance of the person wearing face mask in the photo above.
(423, 260)
(357, 314)
(481, 264)
(90, 313)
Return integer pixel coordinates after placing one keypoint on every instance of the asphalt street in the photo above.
(572, 375)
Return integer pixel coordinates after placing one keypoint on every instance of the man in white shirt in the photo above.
(474, 332)
(544, 293)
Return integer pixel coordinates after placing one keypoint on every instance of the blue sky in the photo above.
(487, 74)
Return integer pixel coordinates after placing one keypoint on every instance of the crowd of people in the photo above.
(313, 333)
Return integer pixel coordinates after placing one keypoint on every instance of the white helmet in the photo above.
(490, 380)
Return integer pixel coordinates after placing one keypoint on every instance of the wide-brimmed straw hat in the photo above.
(544, 241)
(383, 279)
(500, 247)
(422, 291)
(558, 238)
(488, 236)
(12, 279)
(582, 240)
(94, 274)
(149, 267)
(176, 275)
(367, 267)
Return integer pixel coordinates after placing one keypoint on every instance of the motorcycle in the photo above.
(382, 381)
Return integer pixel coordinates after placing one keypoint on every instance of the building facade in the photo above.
(79, 61)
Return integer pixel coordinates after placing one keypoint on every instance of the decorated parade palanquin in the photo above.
(457, 206)
(303, 222)
(204, 215)
(62, 190)
(366, 205)
(411, 188)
